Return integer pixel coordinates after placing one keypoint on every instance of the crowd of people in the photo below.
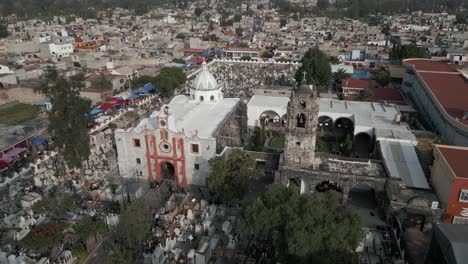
(240, 79)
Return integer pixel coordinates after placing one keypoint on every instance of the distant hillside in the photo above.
(84, 8)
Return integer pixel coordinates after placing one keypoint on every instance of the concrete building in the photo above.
(56, 51)
(176, 142)
(440, 91)
(450, 181)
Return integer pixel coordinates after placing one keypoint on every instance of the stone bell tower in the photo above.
(301, 127)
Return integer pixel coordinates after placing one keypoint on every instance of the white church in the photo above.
(177, 142)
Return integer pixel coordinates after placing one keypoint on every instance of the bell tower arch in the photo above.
(301, 127)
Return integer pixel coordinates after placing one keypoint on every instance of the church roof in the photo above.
(205, 80)
(194, 118)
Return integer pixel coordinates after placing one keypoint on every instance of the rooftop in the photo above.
(451, 91)
(457, 159)
(432, 65)
(193, 117)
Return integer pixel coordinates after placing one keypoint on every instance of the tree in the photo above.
(317, 67)
(44, 237)
(340, 75)
(267, 55)
(230, 178)
(246, 58)
(89, 227)
(301, 227)
(283, 22)
(239, 32)
(68, 119)
(3, 31)
(198, 11)
(383, 78)
(400, 52)
(168, 80)
(133, 229)
(237, 17)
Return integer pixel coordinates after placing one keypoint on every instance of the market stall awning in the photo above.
(38, 141)
(15, 152)
(110, 104)
(147, 89)
(3, 164)
(95, 111)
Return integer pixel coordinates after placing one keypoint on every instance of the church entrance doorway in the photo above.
(167, 171)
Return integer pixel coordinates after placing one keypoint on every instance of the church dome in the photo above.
(205, 80)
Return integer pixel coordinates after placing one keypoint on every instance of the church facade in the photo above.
(177, 142)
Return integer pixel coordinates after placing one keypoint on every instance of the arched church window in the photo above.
(212, 98)
(301, 120)
(303, 104)
(202, 98)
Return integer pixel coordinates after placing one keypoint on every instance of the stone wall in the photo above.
(233, 131)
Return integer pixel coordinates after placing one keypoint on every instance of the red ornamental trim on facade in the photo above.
(155, 160)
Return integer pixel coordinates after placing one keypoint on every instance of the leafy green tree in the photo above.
(340, 75)
(198, 11)
(267, 55)
(230, 178)
(211, 26)
(142, 81)
(283, 22)
(237, 17)
(68, 119)
(301, 227)
(317, 67)
(43, 238)
(3, 31)
(168, 80)
(246, 58)
(400, 52)
(133, 229)
(239, 32)
(89, 227)
(102, 83)
(383, 78)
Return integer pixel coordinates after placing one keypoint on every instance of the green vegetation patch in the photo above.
(18, 113)
(278, 139)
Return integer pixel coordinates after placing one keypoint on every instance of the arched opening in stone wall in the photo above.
(363, 199)
(345, 124)
(326, 186)
(270, 117)
(362, 145)
(325, 123)
(301, 120)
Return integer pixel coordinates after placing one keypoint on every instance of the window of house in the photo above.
(138, 161)
(298, 143)
(195, 148)
(463, 196)
(202, 98)
(460, 220)
(197, 166)
(136, 143)
(212, 98)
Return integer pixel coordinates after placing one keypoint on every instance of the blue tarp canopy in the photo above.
(38, 141)
(95, 111)
(133, 96)
(146, 89)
